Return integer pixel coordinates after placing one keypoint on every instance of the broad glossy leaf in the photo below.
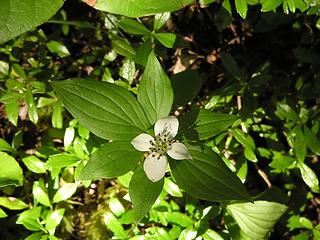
(166, 39)
(206, 123)
(13, 203)
(123, 48)
(133, 27)
(268, 5)
(160, 19)
(207, 177)
(258, 218)
(107, 110)
(242, 7)
(40, 195)
(143, 193)
(309, 177)
(311, 139)
(286, 111)
(4, 146)
(114, 225)
(138, 8)
(53, 219)
(179, 219)
(2, 214)
(58, 48)
(17, 17)
(65, 192)
(62, 160)
(155, 92)
(34, 164)
(111, 160)
(10, 171)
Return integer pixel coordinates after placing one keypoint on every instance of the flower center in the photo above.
(160, 144)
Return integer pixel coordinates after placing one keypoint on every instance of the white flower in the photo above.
(163, 143)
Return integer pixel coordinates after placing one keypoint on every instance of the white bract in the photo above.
(157, 147)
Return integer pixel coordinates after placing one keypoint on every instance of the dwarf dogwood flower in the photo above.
(157, 147)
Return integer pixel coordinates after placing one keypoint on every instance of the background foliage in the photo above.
(256, 60)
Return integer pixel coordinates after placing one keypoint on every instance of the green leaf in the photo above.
(311, 139)
(128, 70)
(4, 146)
(62, 160)
(13, 203)
(10, 171)
(258, 218)
(20, 16)
(53, 219)
(242, 7)
(207, 177)
(32, 109)
(206, 123)
(246, 141)
(269, 5)
(123, 48)
(2, 214)
(58, 48)
(143, 52)
(57, 118)
(160, 19)
(172, 188)
(155, 92)
(143, 193)
(167, 39)
(40, 195)
(309, 177)
(107, 110)
(133, 27)
(111, 160)
(186, 85)
(65, 192)
(12, 111)
(116, 206)
(287, 112)
(138, 8)
(34, 164)
(299, 144)
(179, 219)
(114, 225)
(34, 236)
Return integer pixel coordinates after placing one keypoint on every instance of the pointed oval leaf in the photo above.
(133, 27)
(53, 219)
(40, 195)
(207, 177)
(10, 171)
(155, 92)
(111, 160)
(138, 8)
(167, 39)
(12, 203)
(258, 218)
(143, 193)
(107, 110)
(309, 177)
(65, 192)
(206, 123)
(34, 164)
(17, 17)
